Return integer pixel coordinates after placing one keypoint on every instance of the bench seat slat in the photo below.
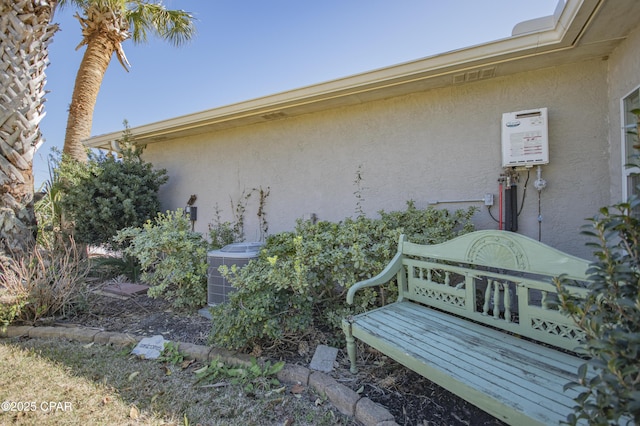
(503, 369)
(460, 343)
(483, 341)
(514, 380)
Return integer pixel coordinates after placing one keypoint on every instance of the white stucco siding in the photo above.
(437, 145)
(624, 76)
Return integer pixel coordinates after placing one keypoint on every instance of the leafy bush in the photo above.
(108, 194)
(44, 284)
(173, 258)
(610, 318)
(222, 233)
(263, 306)
(299, 281)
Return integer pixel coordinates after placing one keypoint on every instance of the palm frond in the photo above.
(175, 26)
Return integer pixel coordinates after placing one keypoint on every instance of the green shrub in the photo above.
(610, 315)
(265, 306)
(429, 226)
(610, 318)
(108, 194)
(222, 233)
(299, 281)
(172, 257)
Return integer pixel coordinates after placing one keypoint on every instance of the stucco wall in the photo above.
(436, 145)
(624, 76)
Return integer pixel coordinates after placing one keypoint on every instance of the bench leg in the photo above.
(351, 345)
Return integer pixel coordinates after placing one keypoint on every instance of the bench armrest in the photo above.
(386, 275)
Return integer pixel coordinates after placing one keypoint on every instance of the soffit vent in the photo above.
(474, 75)
(274, 115)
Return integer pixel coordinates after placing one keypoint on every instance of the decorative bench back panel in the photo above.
(498, 278)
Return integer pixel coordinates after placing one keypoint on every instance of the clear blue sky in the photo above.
(246, 49)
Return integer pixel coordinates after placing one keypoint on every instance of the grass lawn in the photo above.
(56, 382)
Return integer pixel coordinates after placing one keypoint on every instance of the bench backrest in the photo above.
(497, 278)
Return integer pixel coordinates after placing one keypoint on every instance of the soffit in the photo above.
(595, 29)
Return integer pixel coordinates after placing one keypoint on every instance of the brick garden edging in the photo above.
(346, 400)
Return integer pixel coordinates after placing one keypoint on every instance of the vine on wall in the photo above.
(223, 233)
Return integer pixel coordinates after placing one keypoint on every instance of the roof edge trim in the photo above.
(537, 41)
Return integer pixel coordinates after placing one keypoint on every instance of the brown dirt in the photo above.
(412, 399)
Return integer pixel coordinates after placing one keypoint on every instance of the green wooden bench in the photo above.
(476, 315)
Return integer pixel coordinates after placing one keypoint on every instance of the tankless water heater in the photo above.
(525, 138)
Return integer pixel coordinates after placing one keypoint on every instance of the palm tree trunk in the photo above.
(25, 33)
(100, 48)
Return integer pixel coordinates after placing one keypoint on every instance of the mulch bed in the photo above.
(412, 399)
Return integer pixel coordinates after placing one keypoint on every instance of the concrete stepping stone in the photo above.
(324, 358)
(150, 347)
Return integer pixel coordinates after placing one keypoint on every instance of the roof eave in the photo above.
(568, 25)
